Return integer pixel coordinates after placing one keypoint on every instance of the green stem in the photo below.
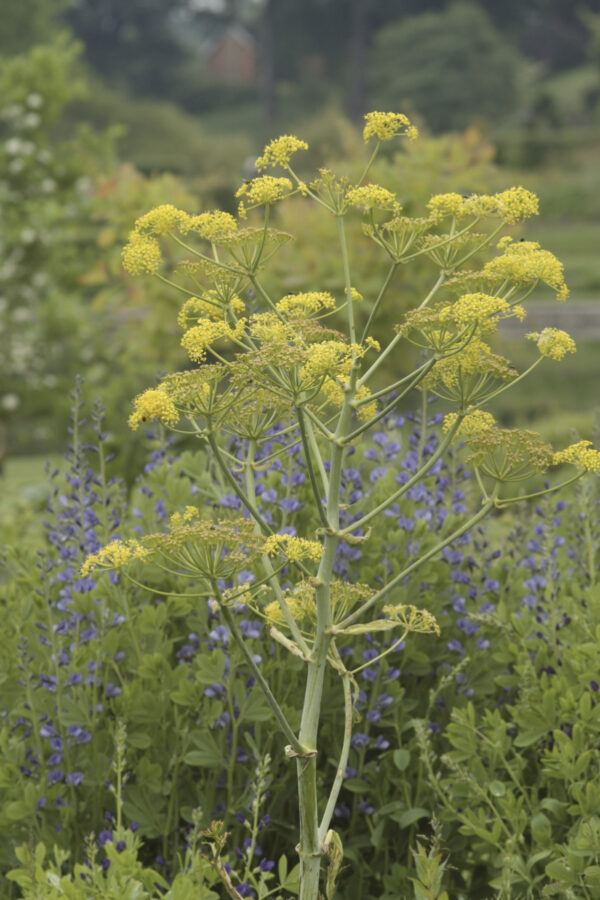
(510, 384)
(419, 562)
(505, 501)
(277, 711)
(405, 487)
(394, 342)
(309, 465)
(418, 376)
(343, 761)
(380, 297)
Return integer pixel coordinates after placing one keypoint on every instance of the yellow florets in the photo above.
(162, 219)
(198, 339)
(188, 515)
(373, 196)
(517, 204)
(581, 455)
(209, 306)
(553, 343)
(294, 548)
(441, 205)
(385, 126)
(268, 328)
(473, 423)
(279, 151)
(153, 404)
(480, 309)
(116, 554)
(307, 303)
(356, 296)
(524, 263)
(214, 225)
(264, 190)
(412, 618)
(331, 358)
(141, 254)
(474, 359)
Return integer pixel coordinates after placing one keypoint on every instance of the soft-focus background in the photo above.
(109, 107)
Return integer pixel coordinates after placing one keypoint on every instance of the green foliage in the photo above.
(453, 67)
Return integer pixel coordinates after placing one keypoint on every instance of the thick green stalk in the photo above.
(310, 847)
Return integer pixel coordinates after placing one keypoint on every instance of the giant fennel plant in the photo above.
(306, 367)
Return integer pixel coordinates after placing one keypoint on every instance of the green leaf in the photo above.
(208, 755)
(139, 739)
(401, 759)
(559, 872)
(410, 816)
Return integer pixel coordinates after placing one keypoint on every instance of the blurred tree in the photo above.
(29, 22)
(132, 43)
(452, 67)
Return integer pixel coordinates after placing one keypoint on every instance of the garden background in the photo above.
(108, 109)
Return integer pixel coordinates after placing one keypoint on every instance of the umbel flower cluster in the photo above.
(302, 373)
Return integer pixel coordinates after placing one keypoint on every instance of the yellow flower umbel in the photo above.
(525, 263)
(412, 618)
(581, 455)
(472, 424)
(516, 204)
(508, 454)
(162, 219)
(263, 191)
(153, 404)
(115, 555)
(141, 255)
(387, 125)
(481, 310)
(197, 340)
(373, 196)
(441, 205)
(214, 226)
(309, 303)
(553, 343)
(294, 548)
(279, 152)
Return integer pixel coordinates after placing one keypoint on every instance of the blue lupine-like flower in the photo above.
(74, 779)
(360, 741)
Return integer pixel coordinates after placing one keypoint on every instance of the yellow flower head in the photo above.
(385, 126)
(517, 204)
(279, 152)
(356, 296)
(524, 263)
(209, 306)
(553, 343)
(188, 515)
(474, 359)
(309, 303)
(162, 219)
(153, 404)
(198, 339)
(473, 423)
(441, 205)
(412, 618)
(264, 190)
(294, 548)
(373, 196)
(480, 309)
(214, 225)
(141, 254)
(582, 455)
(114, 555)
